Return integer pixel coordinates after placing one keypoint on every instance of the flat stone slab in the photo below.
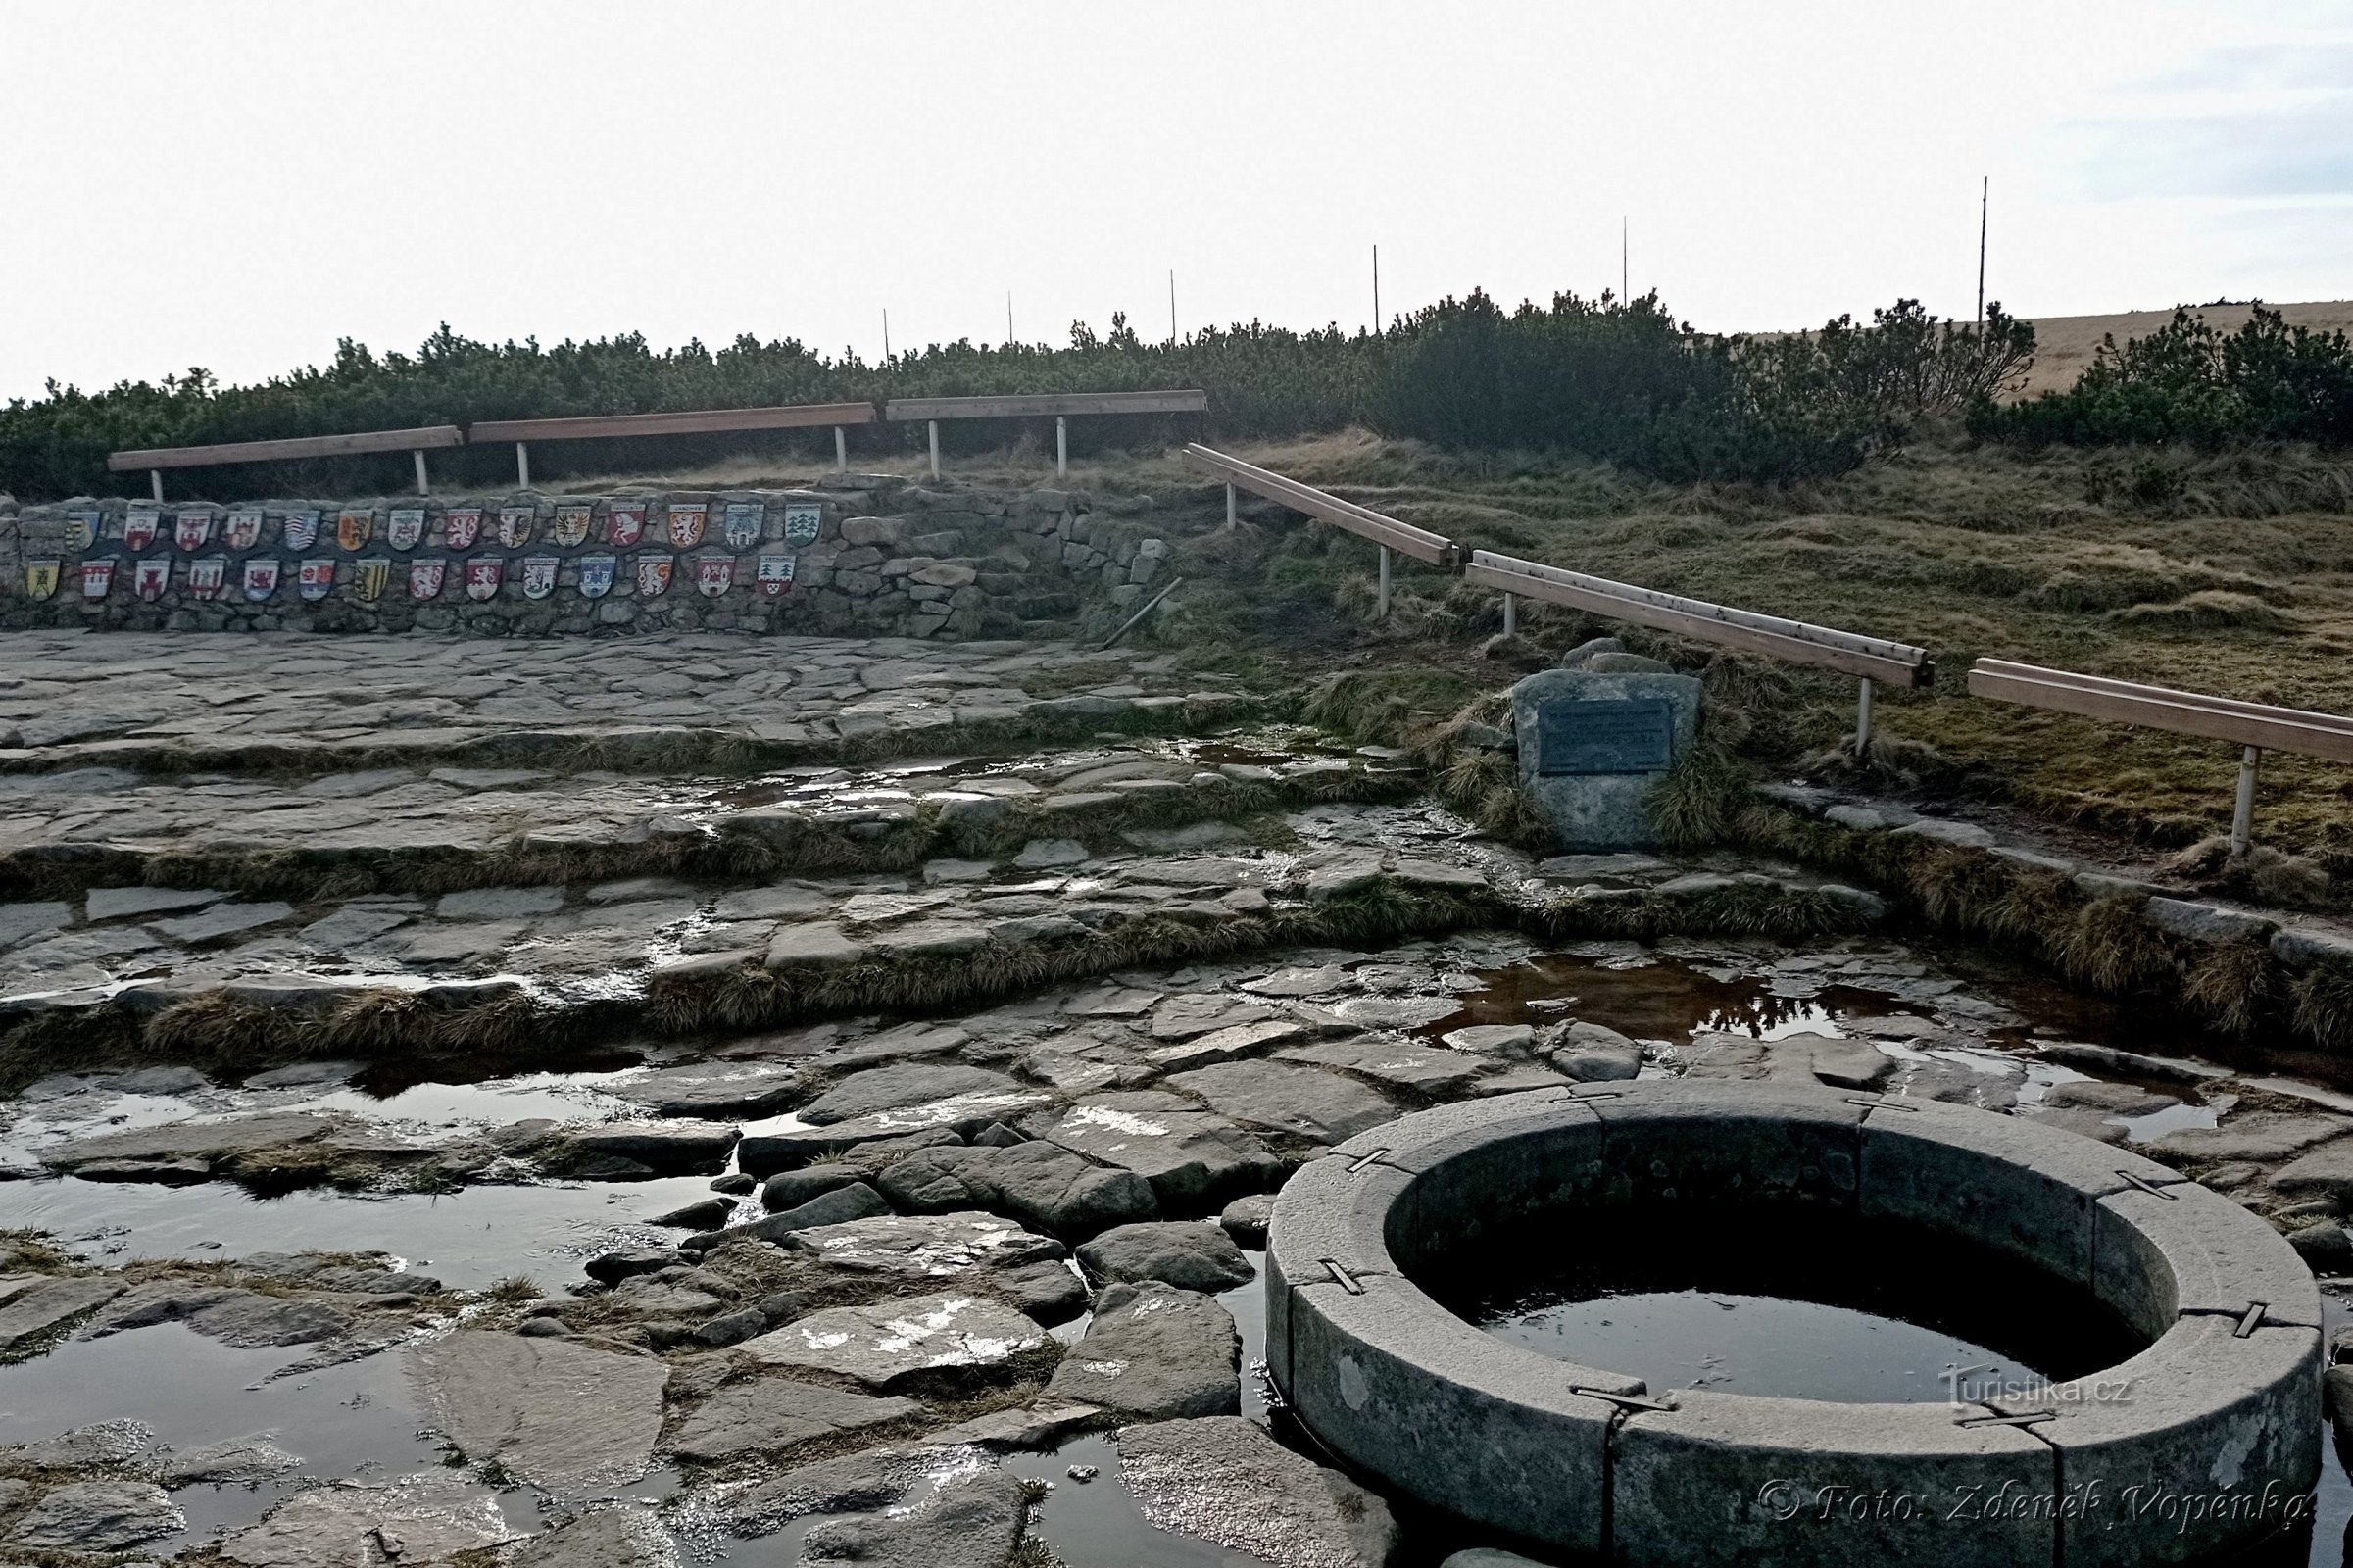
(899, 1086)
(208, 1140)
(1188, 1155)
(1225, 1480)
(2259, 1137)
(887, 1341)
(1153, 1350)
(433, 1517)
(97, 1516)
(973, 1520)
(764, 1415)
(712, 1089)
(559, 1415)
(45, 1308)
(1287, 1097)
(927, 1246)
(1188, 1254)
(1038, 1181)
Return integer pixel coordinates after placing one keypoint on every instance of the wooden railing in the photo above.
(693, 422)
(2256, 727)
(1059, 406)
(156, 459)
(1386, 531)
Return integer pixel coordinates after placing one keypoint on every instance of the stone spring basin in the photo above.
(2212, 1442)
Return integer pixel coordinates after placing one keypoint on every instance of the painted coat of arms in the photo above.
(151, 577)
(260, 579)
(191, 530)
(317, 579)
(425, 578)
(354, 526)
(300, 530)
(596, 575)
(97, 576)
(539, 575)
(515, 526)
(206, 576)
(714, 576)
(687, 519)
(405, 527)
(461, 527)
(370, 577)
(625, 522)
(653, 576)
(81, 529)
(241, 529)
(802, 521)
(571, 525)
(483, 575)
(741, 529)
(40, 578)
(139, 528)
(776, 576)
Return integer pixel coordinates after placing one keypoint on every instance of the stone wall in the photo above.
(869, 554)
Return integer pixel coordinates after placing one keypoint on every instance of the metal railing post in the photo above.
(935, 447)
(423, 486)
(1862, 718)
(155, 482)
(1384, 582)
(523, 466)
(840, 451)
(1232, 522)
(1061, 446)
(1511, 614)
(2242, 818)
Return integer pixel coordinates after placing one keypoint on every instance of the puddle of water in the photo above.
(1780, 1304)
(1096, 1524)
(468, 1238)
(1664, 1000)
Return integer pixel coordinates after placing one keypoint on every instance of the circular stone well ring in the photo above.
(2203, 1441)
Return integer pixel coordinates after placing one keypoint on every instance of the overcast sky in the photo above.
(237, 185)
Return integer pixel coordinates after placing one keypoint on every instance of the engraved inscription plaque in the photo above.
(1620, 735)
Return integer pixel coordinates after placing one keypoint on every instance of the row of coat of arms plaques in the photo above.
(628, 524)
(259, 577)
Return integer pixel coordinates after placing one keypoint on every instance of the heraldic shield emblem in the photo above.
(190, 531)
(241, 529)
(775, 575)
(687, 518)
(539, 576)
(300, 530)
(206, 576)
(625, 522)
(405, 527)
(515, 526)
(260, 579)
(483, 575)
(802, 521)
(370, 577)
(653, 576)
(354, 526)
(461, 527)
(139, 529)
(425, 578)
(741, 530)
(151, 577)
(40, 578)
(316, 578)
(596, 575)
(571, 525)
(81, 529)
(714, 576)
(97, 576)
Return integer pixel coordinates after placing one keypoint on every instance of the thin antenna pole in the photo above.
(1172, 307)
(1985, 206)
(1625, 288)
(1376, 288)
(886, 336)
(1008, 317)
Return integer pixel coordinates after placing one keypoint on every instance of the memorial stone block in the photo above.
(1592, 746)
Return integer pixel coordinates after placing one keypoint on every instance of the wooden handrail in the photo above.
(1403, 537)
(1798, 642)
(1042, 405)
(2223, 719)
(690, 421)
(308, 446)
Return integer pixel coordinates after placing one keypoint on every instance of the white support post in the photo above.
(1385, 582)
(840, 451)
(935, 447)
(1511, 614)
(423, 486)
(1232, 521)
(523, 466)
(2242, 819)
(155, 482)
(1061, 446)
(1862, 720)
